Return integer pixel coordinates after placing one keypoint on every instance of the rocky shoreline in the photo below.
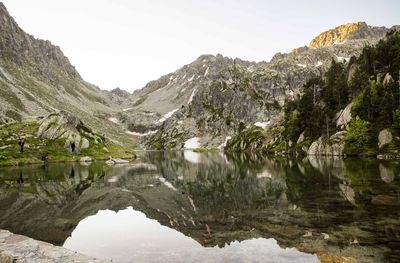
(21, 249)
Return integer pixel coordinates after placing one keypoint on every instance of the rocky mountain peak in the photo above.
(349, 31)
(23, 49)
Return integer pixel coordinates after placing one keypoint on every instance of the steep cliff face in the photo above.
(216, 97)
(350, 31)
(36, 78)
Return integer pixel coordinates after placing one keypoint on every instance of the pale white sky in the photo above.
(127, 43)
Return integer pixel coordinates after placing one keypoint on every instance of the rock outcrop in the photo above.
(350, 31)
(343, 117)
(64, 125)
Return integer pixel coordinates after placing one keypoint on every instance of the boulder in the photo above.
(332, 147)
(85, 143)
(301, 138)
(4, 147)
(60, 124)
(110, 162)
(85, 159)
(343, 117)
(65, 125)
(385, 137)
(388, 78)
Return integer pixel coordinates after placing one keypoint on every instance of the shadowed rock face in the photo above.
(345, 208)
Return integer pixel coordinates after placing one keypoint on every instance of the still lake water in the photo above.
(189, 207)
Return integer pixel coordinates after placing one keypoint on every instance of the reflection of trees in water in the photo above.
(219, 184)
(257, 191)
(56, 184)
(329, 195)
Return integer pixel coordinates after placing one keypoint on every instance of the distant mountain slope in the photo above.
(36, 79)
(216, 97)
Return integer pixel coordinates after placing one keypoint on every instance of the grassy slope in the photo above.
(35, 147)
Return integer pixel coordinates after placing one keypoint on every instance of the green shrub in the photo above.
(358, 137)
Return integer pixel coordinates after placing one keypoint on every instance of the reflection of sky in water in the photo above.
(129, 236)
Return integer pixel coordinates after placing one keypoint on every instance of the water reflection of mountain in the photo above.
(330, 206)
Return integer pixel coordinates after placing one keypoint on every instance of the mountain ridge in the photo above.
(272, 83)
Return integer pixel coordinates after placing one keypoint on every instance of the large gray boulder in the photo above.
(85, 159)
(385, 137)
(332, 147)
(59, 125)
(64, 125)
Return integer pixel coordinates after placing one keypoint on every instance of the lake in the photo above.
(182, 206)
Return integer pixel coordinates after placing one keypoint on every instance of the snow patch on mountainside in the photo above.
(167, 116)
(206, 73)
(262, 124)
(192, 143)
(191, 78)
(141, 134)
(191, 96)
(113, 119)
(319, 63)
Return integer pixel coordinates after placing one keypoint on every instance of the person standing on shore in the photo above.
(73, 146)
(21, 144)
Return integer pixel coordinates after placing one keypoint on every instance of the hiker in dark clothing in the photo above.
(45, 157)
(72, 146)
(21, 144)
